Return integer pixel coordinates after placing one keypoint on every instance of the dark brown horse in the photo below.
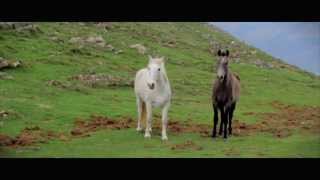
(225, 94)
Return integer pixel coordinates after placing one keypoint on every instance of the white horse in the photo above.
(152, 89)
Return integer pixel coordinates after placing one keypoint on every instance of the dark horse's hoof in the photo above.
(225, 139)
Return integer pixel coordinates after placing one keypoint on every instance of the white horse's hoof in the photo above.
(164, 138)
(139, 129)
(147, 135)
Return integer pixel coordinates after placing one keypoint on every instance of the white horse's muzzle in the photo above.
(151, 85)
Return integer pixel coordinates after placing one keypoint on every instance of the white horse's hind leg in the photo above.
(149, 120)
(139, 105)
(165, 121)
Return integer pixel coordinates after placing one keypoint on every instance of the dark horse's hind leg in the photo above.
(225, 122)
(215, 121)
(221, 121)
(232, 108)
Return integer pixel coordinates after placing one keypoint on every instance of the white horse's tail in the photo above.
(143, 114)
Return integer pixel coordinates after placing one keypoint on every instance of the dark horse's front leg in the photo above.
(221, 120)
(215, 121)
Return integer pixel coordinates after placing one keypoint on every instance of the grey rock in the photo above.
(140, 48)
(263, 64)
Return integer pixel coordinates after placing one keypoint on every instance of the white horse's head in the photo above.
(155, 67)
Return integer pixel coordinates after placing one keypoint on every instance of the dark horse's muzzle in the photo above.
(221, 78)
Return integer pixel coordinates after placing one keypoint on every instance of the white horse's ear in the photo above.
(163, 59)
(150, 59)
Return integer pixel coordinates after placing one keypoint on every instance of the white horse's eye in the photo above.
(159, 69)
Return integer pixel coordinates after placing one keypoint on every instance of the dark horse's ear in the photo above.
(219, 52)
(227, 53)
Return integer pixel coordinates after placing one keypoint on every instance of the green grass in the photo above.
(190, 68)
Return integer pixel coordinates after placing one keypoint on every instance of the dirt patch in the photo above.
(94, 123)
(30, 136)
(282, 123)
(186, 145)
(188, 127)
(84, 127)
(5, 140)
(97, 80)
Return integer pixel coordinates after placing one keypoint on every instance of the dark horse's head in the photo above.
(222, 64)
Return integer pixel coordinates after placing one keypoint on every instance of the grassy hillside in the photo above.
(47, 92)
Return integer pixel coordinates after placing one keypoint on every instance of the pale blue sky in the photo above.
(296, 43)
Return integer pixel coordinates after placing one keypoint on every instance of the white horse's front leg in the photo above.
(139, 105)
(149, 120)
(165, 121)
